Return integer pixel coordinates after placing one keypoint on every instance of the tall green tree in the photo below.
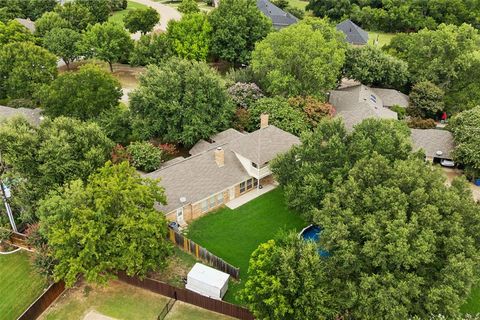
(285, 281)
(188, 6)
(180, 101)
(281, 114)
(23, 67)
(303, 59)
(76, 14)
(142, 20)
(39, 7)
(465, 127)
(83, 94)
(109, 42)
(191, 36)
(13, 31)
(151, 49)
(46, 157)
(373, 67)
(402, 243)
(426, 100)
(100, 9)
(236, 26)
(107, 225)
(64, 43)
(49, 21)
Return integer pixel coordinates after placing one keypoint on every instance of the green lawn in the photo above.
(118, 15)
(300, 4)
(383, 38)
(472, 306)
(234, 234)
(19, 284)
(185, 311)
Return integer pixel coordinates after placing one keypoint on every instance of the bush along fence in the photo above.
(203, 254)
(43, 302)
(188, 296)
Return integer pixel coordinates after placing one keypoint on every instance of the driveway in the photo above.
(166, 13)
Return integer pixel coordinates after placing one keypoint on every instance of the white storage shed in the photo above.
(207, 281)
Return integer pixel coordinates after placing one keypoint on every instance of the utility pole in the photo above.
(5, 196)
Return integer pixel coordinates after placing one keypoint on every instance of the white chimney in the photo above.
(263, 120)
(220, 157)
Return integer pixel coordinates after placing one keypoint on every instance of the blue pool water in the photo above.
(312, 233)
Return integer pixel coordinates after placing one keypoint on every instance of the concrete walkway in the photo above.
(166, 13)
(237, 202)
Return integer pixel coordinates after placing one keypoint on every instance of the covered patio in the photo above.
(241, 200)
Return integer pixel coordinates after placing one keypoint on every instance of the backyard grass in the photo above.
(20, 285)
(174, 4)
(300, 4)
(234, 234)
(118, 15)
(472, 306)
(185, 311)
(383, 38)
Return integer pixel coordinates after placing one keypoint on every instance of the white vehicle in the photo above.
(447, 163)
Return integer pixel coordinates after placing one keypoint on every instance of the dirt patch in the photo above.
(178, 267)
(451, 174)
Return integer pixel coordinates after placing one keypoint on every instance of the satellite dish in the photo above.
(439, 153)
(183, 199)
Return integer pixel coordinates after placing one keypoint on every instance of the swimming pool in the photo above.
(312, 233)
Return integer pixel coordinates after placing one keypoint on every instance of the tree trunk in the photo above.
(111, 66)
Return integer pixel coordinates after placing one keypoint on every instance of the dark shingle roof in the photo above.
(354, 34)
(280, 18)
(432, 141)
(33, 116)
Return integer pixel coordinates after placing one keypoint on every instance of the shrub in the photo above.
(145, 156)
(418, 123)
(401, 111)
(5, 234)
(245, 94)
(241, 119)
(21, 103)
(168, 149)
(120, 154)
(314, 109)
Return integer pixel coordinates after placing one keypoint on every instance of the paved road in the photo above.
(166, 13)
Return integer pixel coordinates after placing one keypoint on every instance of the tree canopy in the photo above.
(23, 67)
(76, 14)
(402, 243)
(303, 59)
(373, 67)
(142, 20)
(13, 31)
(180, 101)
(465, 127)
(191, 36)
(426, 100)
(49, 21)
(64, 43)
(109, 42)
(151, 49)
(83, 94)
(236, 26)
(100, 9)
(108, 224)
(188, 6)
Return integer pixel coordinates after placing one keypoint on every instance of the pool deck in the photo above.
(240, 201)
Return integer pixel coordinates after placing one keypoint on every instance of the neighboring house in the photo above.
(280, 19)
(231, 165)
(357, 103)
(353, 33)
(437, 144)
(27, 23)
(33, 116)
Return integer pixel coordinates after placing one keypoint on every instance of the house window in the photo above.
(242, 187)
(220, 198)
(254, 165)
(212, 202)
(204, 206)
(249, 184)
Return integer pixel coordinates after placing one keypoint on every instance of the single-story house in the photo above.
(280, 19)
(357, 103)
(33, 116)
(229, 165)
(392, 97)
(353, 33)
(436, 143)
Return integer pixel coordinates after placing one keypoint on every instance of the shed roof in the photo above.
(354, 34)
(33, 116)
(279, 17)
(432, 141)
(208, 275)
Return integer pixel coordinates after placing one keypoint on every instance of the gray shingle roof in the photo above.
(263, 145)
(27, 23)
(433, 140)
(391, 97)
(218, 139)
(357, 103)
(280, 18)
(199, 176)
(33, 116)
(354, 34)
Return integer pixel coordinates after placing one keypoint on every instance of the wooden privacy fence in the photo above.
(43, 302)
(188, 297)
(203, 254)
